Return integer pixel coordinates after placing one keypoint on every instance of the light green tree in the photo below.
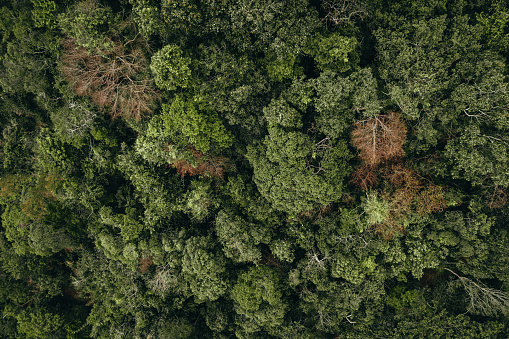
(203, 129)
(171, 68)
(333, 52)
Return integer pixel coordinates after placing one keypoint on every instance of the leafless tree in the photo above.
(380, 138)
(342, 11)
(314, 260)
(164, 279)
(114, 78)
(484, 300)
(496, 197)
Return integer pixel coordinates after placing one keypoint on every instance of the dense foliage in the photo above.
(254, 169)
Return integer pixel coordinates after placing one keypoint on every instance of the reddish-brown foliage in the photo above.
(145, 263)
(409, 191)
(401, 202)
(399, 175)
(405, 191)
(203, 165)
(365, 176)
(380, 138)
(380, 142)
(430, 200)
(388, 229)
(113, 78)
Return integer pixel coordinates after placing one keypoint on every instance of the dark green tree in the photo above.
(259, 301)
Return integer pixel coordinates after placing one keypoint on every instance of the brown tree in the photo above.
(380, 142)
(380, 138)
(365, 176)
(145, 263)
(203, 165)
(404, 190)
(115, 78)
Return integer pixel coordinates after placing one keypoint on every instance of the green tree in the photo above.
(39, 323)
(334, 52)
(418, 66)
(147, 16)
(494, 25)
(275, 26)
(43, 13)
(202, 130)
(204, 269)
(171, 68)
(17, 148)
(180, 16)
(339, 99)
(88, 22)
(284, 186)
(284, 175)
(200, 201)
(478, 157)
(239, 238)
(259, 299)
(156, 189)
(281, 69)
(28, 57)
(130, 228)
(478, 152)
(233, 85)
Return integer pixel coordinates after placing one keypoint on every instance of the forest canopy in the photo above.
(254, 169)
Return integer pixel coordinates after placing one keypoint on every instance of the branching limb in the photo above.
(484, 300)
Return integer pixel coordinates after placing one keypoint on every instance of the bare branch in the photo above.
(112, 78)
(343, 11)
(485, 300)
(348, 319)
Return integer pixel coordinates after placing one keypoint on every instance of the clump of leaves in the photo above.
(186, 123)
(171, 68)
(87, 23)
(376, 209)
